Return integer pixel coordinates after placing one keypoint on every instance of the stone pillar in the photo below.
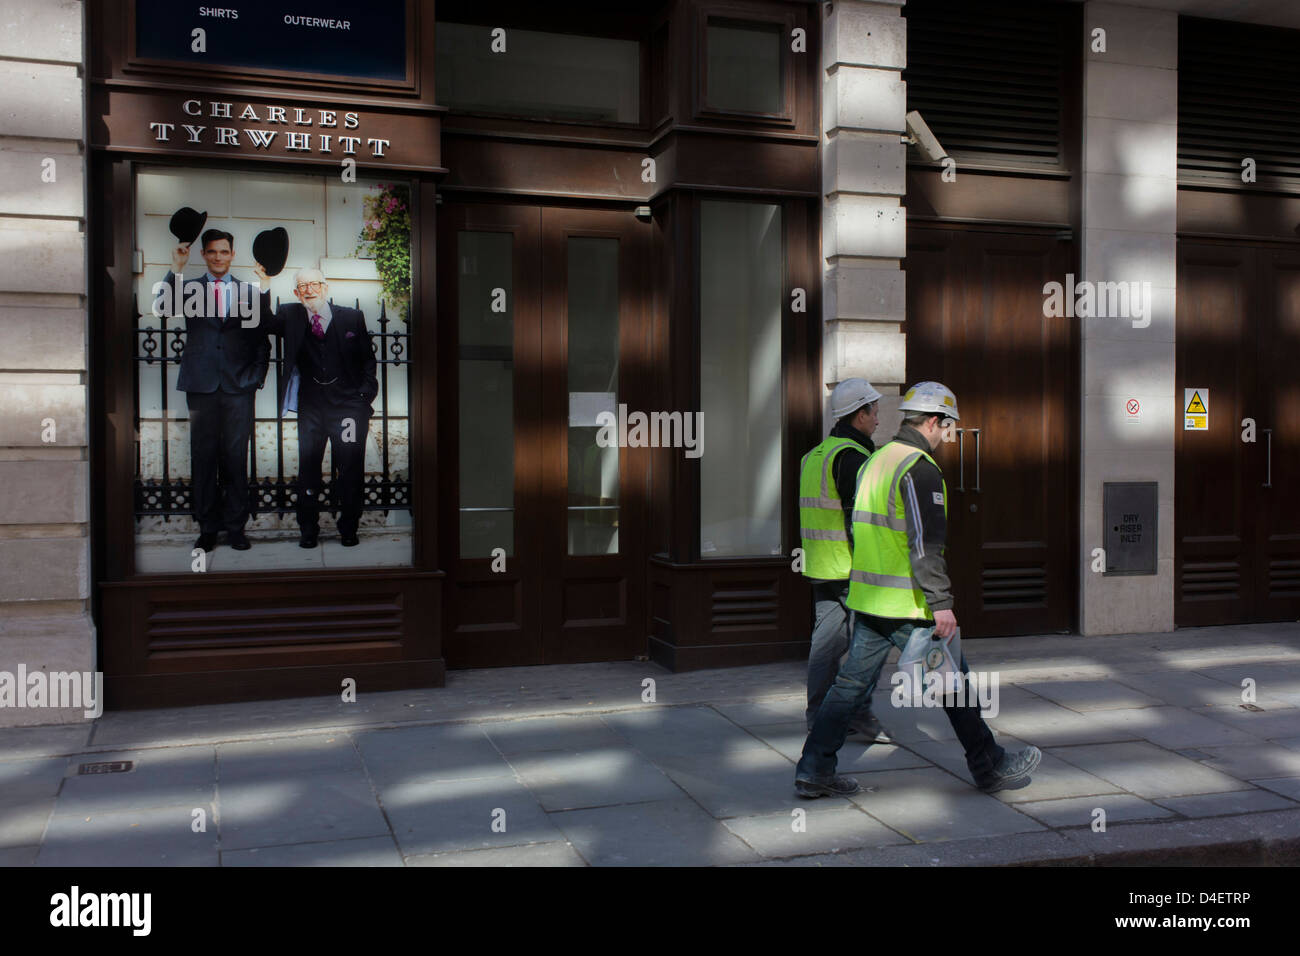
(1130, 191)
(44, 544)
(864, 167)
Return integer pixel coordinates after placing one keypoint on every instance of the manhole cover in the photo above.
(110, 766)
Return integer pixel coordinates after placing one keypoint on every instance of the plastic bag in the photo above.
(925, 654)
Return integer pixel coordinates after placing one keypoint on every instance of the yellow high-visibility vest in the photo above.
(880, 580)
(821, 512)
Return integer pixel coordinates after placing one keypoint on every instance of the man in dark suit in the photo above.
(222, 367)
(329, 377)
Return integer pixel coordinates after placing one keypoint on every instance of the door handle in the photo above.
(976, 489)
(1268, 461)
(961, 459)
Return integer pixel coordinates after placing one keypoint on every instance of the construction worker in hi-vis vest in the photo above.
(827, 479)
(898, 582)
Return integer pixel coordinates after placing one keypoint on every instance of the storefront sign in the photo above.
(216, 125)
(332, 37)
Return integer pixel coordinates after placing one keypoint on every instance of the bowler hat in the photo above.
(186, 224)
(271, 249)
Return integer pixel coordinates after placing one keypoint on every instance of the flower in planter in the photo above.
(386, 235)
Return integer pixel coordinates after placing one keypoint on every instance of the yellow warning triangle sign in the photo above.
(1195, 406)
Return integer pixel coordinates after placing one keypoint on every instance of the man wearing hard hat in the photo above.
(899, 582)
(827, 479)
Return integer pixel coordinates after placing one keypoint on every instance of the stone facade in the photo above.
(44, 513)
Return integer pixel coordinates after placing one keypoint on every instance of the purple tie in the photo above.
(316, 329)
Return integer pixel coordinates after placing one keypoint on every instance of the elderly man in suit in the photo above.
(222, 366)
(329, 377)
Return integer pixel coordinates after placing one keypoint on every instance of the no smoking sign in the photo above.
(1133, 409)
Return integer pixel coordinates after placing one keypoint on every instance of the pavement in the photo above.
(592, 765)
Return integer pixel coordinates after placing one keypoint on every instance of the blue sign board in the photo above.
(366, 40)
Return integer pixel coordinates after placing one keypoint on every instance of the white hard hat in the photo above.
(933, 397)
(850, 395)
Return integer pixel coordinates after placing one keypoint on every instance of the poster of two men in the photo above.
(328, 379)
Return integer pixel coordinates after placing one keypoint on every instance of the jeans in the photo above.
(832, 630)
(856, 678)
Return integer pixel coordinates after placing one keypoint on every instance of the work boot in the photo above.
(870, 728)
(834, 786)
(1012, 771)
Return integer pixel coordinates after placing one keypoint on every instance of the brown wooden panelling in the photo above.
(1238, 214)
(979, 197)
(240, 638)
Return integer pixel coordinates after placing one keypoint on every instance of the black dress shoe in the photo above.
(207, 541)
(349, 540)
(307, 540)
(237, 541)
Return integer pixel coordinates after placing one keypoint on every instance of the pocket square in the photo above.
(350, 335)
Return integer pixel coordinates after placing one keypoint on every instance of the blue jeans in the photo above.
(856, 678)
(832, 632)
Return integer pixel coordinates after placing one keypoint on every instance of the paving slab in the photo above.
(19, 855)
(163, 777)
(436, 815)
(531, 854)
(365, 851)
(1090, 695)
(752, 713)
(566, 780)
(675, 730)
(1175, 728)
(30, 779)
(737, 784)
(1267, 724)
(161, 836)
(663, 833)
(23, 824)
(1081, 811)
(826, 826)
(317, 807)
(1291, 743)
(1047, 724)
(542, 734)
(929, 805)
(856, 756)
(1012, 848)
(1184, 688)
(1287, 786)
(439, 752)
(27, 743)
(1054, 778)
(287, 757)
(1222, 804)
(913, 724)
(1147, 770)
(1257, 760)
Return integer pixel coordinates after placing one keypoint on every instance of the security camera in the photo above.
(919, 135)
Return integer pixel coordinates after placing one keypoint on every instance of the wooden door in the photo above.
(1237, 525)
(975, 322)
(538, 310)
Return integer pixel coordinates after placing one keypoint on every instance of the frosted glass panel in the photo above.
(740, 378)
(593, 388)
(487, 434)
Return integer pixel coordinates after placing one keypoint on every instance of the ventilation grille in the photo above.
(746, 607)
(989, 78)
(1014, 587)
(205, 629)
(1211, 580)
(1284, 579)
(1238, 90)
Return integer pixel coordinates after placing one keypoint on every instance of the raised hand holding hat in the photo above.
(186, 224)
(271, 250)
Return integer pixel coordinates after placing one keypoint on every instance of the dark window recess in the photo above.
(1238, 86)
(542, 75)
(744, 67)
(989, 78)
